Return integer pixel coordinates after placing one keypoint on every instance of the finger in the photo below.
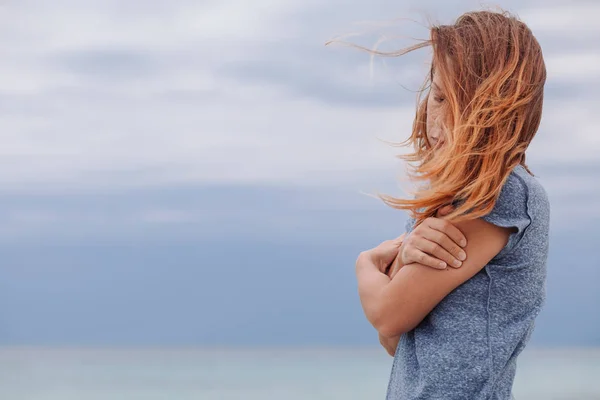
(445, 211)
(435, 249)
(448, 229)
(391, 249)
(447, 244)
(386, 253)
(427, 260)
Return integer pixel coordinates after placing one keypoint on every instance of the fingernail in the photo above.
(463, 243)
(457, 263)
(443, 265)
(462, 256)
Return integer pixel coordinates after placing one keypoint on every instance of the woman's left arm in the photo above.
(398, 305)
(389, 344)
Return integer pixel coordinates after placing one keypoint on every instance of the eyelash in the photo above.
(438, 99)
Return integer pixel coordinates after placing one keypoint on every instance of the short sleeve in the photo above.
(511, 211)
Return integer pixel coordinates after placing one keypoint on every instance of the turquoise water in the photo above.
(252, 374)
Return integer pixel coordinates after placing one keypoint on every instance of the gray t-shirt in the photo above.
(467, 347)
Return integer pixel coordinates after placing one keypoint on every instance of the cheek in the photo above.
(430, 111)
(429, 120)
(432, 121)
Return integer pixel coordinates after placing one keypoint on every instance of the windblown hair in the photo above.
(493, 75)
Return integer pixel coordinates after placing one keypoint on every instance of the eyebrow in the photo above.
(436, 86)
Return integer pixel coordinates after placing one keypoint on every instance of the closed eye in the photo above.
(436, 93)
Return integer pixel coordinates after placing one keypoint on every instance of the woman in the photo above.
(456, 332)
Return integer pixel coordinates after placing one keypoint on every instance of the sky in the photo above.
(196, 172)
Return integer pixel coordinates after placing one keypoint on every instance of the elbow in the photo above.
(389, 329)
(389, 324)
(390, 318)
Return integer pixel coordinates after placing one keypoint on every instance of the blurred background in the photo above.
(182, 195)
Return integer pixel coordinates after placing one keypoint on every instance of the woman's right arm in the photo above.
(443, 241)
(390, 344)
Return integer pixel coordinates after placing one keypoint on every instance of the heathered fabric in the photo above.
(467, 347)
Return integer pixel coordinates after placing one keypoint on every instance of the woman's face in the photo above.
(435, 113)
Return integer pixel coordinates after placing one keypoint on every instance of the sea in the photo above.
(74, 373)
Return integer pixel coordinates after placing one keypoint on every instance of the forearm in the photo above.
(371, 284)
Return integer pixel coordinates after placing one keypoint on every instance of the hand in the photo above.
(435, 243)
(389, 344)
(395, 267)
(385, 253)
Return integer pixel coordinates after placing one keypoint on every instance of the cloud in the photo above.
(111, 94)
(576, 68)
(189, 212)
(142, 136)
(575, 20)
(106, 65)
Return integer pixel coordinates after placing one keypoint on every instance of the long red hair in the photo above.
(493, 72)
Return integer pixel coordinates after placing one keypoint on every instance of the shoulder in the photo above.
(522, 201)
(515, 190)
(511, 202)
(522, 193)
(536, 193)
